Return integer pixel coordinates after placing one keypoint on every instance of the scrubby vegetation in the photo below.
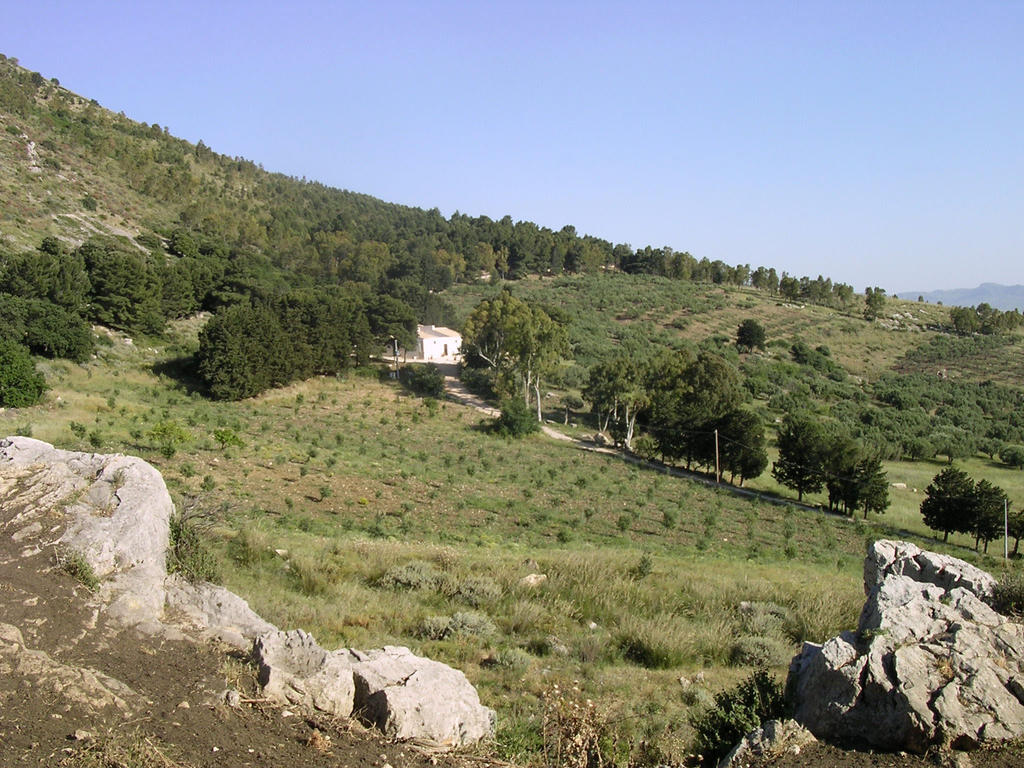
(236, 316)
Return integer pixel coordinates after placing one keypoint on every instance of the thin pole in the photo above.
(718, 471)
(1006, 530)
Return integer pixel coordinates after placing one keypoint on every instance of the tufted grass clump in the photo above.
(1008, 594)
(77, 567)
(188, 553)
(759, 651)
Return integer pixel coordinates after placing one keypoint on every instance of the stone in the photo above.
(886, 558)
(930, 665)
(218, 611)
(410, 697)
(533, 580)
(772, 740)
(294, 669)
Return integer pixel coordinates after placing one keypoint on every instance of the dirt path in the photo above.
(456, 391)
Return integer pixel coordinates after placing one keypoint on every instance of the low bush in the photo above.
(516, 419)
(1008, 594)
(759, 651)
(188, 553)
(478, 591)
(736, 712)
(460, 623)
(416, 574)
(425, 380)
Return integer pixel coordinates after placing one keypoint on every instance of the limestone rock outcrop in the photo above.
(929, 664)
(410, 697)
(114, 511)
(406, 696)
(773, 739)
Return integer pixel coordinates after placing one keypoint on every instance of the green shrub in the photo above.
(21, 384)
(735, 713)
(188, 553)
(516, 419)
(77, 567)
(425, 380)
(1008, 594)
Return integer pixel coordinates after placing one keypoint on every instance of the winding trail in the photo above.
(456, 391)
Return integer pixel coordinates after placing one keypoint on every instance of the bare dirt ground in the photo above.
(177, 716)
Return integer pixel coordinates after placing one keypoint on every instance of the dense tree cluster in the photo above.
(984, 319)
(955, 503)
(269, 341)
(520, 341)
(683, 403)
(813, 456)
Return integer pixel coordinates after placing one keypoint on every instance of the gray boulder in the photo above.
(216, 611)
(406, 696)
(113, 510)
(901, 558)
(410, 697)
(930, 663)
(773, 739)
(293, 669)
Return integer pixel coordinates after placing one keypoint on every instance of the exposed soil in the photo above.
(179, 717)
(825, 756)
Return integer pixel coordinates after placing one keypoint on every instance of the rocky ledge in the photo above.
(930, 664)
(114, 512)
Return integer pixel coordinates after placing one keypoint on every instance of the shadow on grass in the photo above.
(183, 371)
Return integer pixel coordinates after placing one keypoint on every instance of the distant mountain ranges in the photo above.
(1002, 297)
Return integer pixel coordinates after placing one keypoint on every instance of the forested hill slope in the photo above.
(72, 169)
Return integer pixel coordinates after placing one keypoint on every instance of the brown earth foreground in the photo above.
(183, 721)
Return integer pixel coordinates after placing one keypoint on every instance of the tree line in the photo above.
(955, 503)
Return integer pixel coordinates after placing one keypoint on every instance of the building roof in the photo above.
(436, 332)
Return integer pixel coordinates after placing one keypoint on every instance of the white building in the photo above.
(435, 343)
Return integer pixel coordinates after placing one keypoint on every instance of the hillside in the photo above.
(334, 498)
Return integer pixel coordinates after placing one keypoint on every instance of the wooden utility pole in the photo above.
(718, 471)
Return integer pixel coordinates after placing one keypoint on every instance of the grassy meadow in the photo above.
(369, 516)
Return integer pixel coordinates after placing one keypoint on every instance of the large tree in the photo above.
(742, 444)
(519, 340)
(987, 512)
(688, 398)
(617, 389)
(949, 502)
(802, 451)
(750, 335)
(20, 383)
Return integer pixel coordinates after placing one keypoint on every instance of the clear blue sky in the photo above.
(873, 142)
